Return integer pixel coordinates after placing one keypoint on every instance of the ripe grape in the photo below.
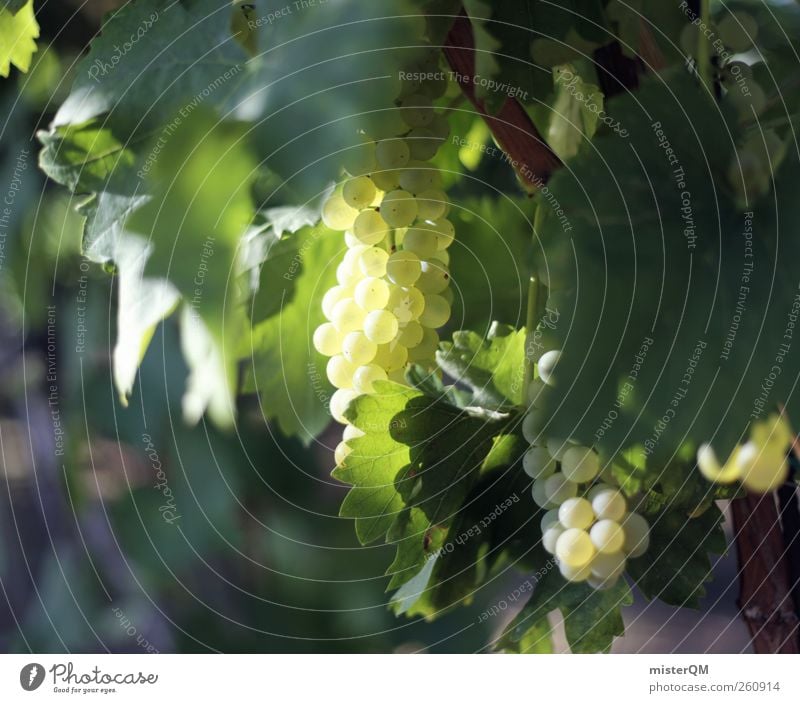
(399, 208)
(577, 512)
(380, 326)
(574, 548)
(537, 463)
(359, 192)
(372, 293)
(637, 535)
(347, 316)
(420, 240)
(327, 339)
(431, 204)
(403, 268)
(392, 153)
(558, 488)
(607, 536)
(609, 505)
(369, 227)
(365, 376)
(580, 464)
(340, 401)
(357, 349)
(547, 365)
(337, 214)
(372, 262)
(436, 312)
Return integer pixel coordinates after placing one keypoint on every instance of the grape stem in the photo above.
(535, 300)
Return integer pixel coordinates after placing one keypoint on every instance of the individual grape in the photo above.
(609, 505)
(532, 427)
(426, 349)
(386, 180)
(575, 574)
(403, 268)
(357, 349)
(351, 257)
(580, 464)
(346, 274)
(365, 376)
(416, 110)
(576, 512)
(372, 293)
(420, 240)
(381, 326)
(440, 126)
(445, 233)
(360, 159)
(550, 537)
(337, 214)
(340, 401)
(399, 208)
(411, 335)
(431, 204)
(549, 519)
(333, 296)
(537, 463)
(608, 567)
(557, 447)
(369, 227)
(392, 153)
(340, 371)
(391, 357)
(418, 177)
(558, 488)
(359, 192)
(348, 316)
(340, 453)
(539, 494)
(607, 536)
(594, 491)
(637, 535)
(383, 124)
(406, 303)
(574, 548)
(547, 365)
(738, 31)
(327, 339)
(436, 312)
(747, 103)
(443, 256)
(351, 432)
(422, 143)
(535, 391)
(372, 262)
(435, 277)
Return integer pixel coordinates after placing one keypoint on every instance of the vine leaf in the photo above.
(18, 33)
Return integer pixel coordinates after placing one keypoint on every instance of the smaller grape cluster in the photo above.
(761, 463)
(588, 526)
(392, 289)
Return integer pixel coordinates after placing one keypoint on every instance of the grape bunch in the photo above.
(392, 289)
(761, 463)
(588, 526)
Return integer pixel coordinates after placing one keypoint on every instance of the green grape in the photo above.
(391, 357)
(423, 144)
(420, 240)
(418, 177)
(738, 31)
(337, 214)
(547, 366)
(580, 464)
(386, 180)
(549, 519)
(406, 304)
(392, 153)
(436, 312)
(365, 376)
(448, 296)
(381, 326)
(574, 548)
(369, 227)
(426, 349)
(532, 427)
(537, 463)
(607, 536)
(333, 296)
(340, 371)
(446, 233)
(348, 316)
(327, 339)
(539, 495)
(398, 208)
(357, 349)
(416, 110)
(558, 488)
(551, 534)
(443, 256)
(578, 513)
(609, 505)
(575, 574)
(383, 124)
(535, 391)
(372, 262)
(351, 240)
(340, 401)
(359, 192)
(403, 268)
(609, 566)
(440, 126)
(748, 103)
(411, 335)
(347, 274)
(434, 278)
(637, 535)
(431, 204)
(352, 255)
(360, 159)
(341, 453)
(372, 293)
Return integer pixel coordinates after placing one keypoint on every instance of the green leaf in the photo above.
(575, 113)
(284, 368)
(676, 566)
(493, 368)
(592, 618)
(18, 32)
(537, 639)
(13, 6)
